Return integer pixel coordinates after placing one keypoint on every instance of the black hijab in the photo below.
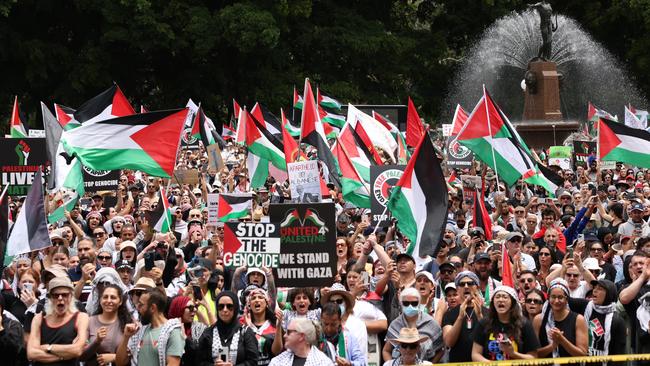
(226, 330)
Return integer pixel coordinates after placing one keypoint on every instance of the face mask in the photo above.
(410, 310)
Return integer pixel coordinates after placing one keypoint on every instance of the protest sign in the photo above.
(382, 180)
(582, 150)
(213, 208)
(20, 158)
(446, 129)
(304, 180)
(458, 156)
(560, 156)
(186, 176)
(308, 244)
(215, 162)
(36, 133)
(251, 244)
(470, 184)
(100, 180)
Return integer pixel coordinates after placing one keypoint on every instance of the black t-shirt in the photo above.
(640, 338)
(298, 361)
(461, 351)
(490, 342)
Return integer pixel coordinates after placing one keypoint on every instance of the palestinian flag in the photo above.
(312, 133)
(491, 137)
(234, 206)
(267, 119)
(460, 118)
(18, 128)
(258, 170)
(291, 151)
(236, 109)
(29, 232)
(204, 130)
(617, 142)
(641, 115)
(480, 215)
(327, 102)
(419, 201)
(66, 174)
(403, 154)
(390, 126)
(309, 216)
(357, 152)
(147, 142)
(161, 216)
(414, 127)
(240, 133)
(262, 143)
(290, 127)
(110, 103)
(355, 189)
(298, 101)
(594, 113)
(330, 131)
(65, 116)
(378, 135)
(198, 120)
(333, 119)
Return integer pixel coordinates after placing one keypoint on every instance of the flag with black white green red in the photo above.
(290, 127)
(29, 232)
(358, 153)
(297, 99)
(147, 142)
(65, 116)
(234, 206)
(378, 136)
(161, 216)
(460, 118)
(110, 103)
(18, 128)
(480, 216)
(419, 201)
(327, 102)
(267, 119)
(617, 142)
(258, 170)
(414, 127)
(262, 143)
(490, 136)
(355, 190)
(290, 146)
(333, 119)
(312, 133)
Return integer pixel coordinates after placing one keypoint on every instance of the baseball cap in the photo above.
(404, 255)
(476, 231)
(123, 264)
(127, 244)
(637, 206)
(450, 286)
(448, 265)
(514, 234)
(482, 256)
(590, 264)
(426, 274)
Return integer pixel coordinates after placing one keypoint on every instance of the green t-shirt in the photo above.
(148, 354)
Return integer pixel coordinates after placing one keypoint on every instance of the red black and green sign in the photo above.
(308, 244)
(20, 158)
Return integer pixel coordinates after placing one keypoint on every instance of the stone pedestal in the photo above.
(543, 103)
(542, 134)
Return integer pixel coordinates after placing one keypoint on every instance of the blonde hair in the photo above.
(72, 306)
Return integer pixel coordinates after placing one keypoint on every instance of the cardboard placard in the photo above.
(582, 150)
(251, 244)
(304, 180)
(215, 162)
(382, 180)
(100, 180)
(560, 156)
(185, 176)
(308, 244)
(212, 203)
(20, 158)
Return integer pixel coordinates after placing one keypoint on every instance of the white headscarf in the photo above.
(105, 274)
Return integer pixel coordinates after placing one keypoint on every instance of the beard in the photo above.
(145, 318)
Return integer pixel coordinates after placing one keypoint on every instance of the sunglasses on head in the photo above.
(225, 306)
(410, 303)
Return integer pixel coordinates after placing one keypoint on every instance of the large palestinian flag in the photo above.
(617, 142)
(234, 206)
(108, 104)
(17, 128)
(147, 142)
(161, 217)
(355, 190)
(312, 133)
(419, 201)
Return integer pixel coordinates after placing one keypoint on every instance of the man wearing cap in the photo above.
(125, 270)
(482, 267)
(459, 322)
(514, 242)
(60, 333)
(635, 226)
(447, 273)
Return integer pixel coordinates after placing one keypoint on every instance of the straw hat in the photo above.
(408, 335)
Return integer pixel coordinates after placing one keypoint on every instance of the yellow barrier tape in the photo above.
(559, 360)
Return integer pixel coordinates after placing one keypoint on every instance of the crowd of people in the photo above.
(112, 291)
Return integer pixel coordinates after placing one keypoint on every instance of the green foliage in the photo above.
(362, 51)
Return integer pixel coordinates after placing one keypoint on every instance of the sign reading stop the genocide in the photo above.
(251, 244)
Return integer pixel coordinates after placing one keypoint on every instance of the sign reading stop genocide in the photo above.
(251, 244)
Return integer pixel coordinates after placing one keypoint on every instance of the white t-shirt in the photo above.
(581, 290)
(357, 329)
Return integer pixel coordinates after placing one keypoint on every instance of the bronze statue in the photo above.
(546, 27)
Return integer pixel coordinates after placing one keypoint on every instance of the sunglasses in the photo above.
(466, 284)
(572, 275)
(57, 242)
(534, 301)
(528, 280)
(410, 303)
(447, 271)
(99, 234)
(226, 306)
(138, 292)
(544, 254)
(190, 307)
(60, 295)
(596, 249)
(289, 331)
(409, 345)
(104, 257)
(338, 301)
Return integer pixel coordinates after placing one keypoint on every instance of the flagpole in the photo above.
(302, 120)
(487, 115)
(293, 108)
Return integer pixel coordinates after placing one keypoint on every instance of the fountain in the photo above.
(512, 55)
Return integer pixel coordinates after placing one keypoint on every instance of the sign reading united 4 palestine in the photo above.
(20, 158)
(251, 244)
(308, 250)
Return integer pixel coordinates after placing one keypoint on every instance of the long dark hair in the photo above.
(512, 328)
(123, 315)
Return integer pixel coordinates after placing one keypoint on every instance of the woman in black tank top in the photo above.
(561, 332)
(59, 334)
